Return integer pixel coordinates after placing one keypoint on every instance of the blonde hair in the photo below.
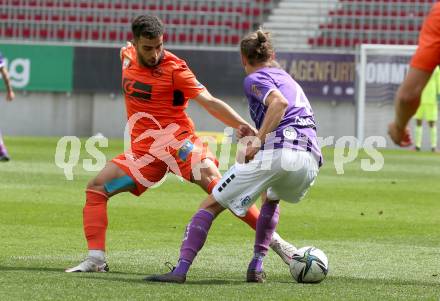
(257, 47)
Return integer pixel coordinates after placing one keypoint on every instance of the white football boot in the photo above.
(284, 249)
(90, 264)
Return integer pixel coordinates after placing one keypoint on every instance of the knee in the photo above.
(212, 206)
(95, 185)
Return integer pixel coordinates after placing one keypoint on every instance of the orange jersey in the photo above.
(427, 56)
(156, 97)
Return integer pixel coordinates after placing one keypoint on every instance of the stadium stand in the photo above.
(346, 23)
(188, 22)
(340, 24)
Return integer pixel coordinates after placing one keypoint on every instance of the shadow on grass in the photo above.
(30, 269)
(141, 280)
(60, 270)
(138, 278)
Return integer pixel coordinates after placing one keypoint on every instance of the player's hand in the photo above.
(10, 96)
(248, 146)
(400, 136)
(123, 49)
(251, 151)
(245, 131)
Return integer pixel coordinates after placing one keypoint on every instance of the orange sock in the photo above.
(95, 219)
(212, 184)
(251, 217)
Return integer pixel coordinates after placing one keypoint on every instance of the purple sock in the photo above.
(182, 267)
(256, 262)
(194, 239)
(266, 224)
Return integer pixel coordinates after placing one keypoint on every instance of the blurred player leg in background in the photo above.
(428, 110)
(9, 97)
(433, 135)
(418, 136)
(3, 151)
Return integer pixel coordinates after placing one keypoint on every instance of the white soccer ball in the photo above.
(309, 265)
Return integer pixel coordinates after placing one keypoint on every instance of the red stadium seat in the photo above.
(26, 33)
(9, 32)
(77, 34)
(95, 35)
(218, 39)
(112, 35)
(67, 4)
(123, 20)
(43, 33)
(182, 37)
(200, 38)
(61, 34)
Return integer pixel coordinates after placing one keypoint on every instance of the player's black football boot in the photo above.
(168, 277)
(254, 276)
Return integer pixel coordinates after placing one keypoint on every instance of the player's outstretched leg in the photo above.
(95, 227)
(193, 240)
(266, 224)
(110, 181)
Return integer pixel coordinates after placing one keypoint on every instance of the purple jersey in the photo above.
(297, 129)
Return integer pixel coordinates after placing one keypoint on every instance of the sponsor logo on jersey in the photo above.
(306, 122)
(290, 133)
(136, 89)
(245, 201)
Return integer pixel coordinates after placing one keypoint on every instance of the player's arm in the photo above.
(276, 108)
(10, 93)
(407, 101)
(220, 110)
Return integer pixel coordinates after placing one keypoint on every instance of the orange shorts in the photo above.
(427, 56)
(148, 169)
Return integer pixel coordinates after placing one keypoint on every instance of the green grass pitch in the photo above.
(380, 230)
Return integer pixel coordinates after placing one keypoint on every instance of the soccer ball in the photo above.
(309, 265)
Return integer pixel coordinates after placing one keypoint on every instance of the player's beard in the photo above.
(151, 62)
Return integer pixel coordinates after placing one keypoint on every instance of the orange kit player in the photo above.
(423, 63)
(157, 86)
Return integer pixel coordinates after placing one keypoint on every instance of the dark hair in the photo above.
(257, 47)
(147, 26)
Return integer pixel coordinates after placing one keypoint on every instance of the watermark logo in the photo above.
(174, 149)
